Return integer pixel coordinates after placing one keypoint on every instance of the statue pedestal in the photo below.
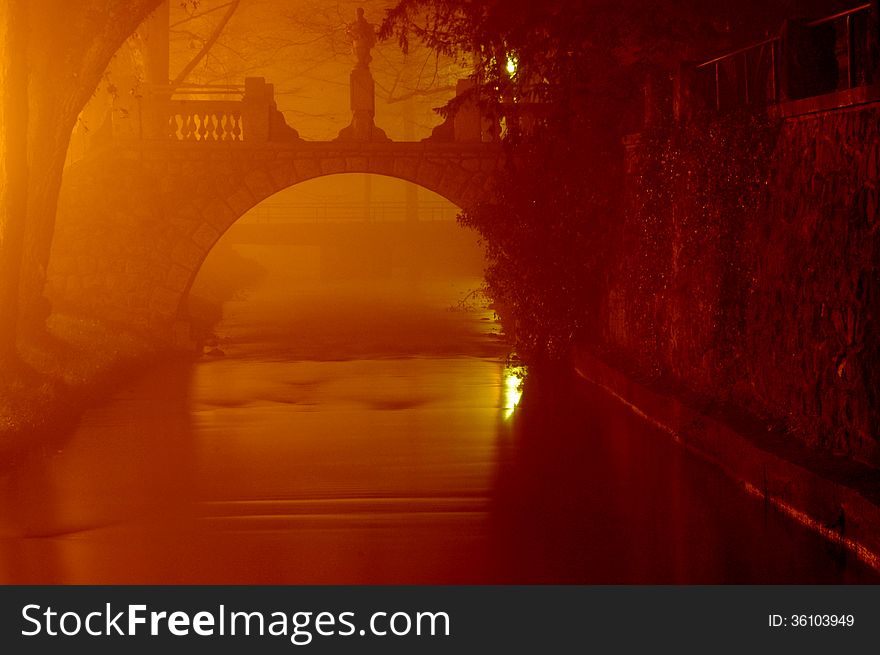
(363, 91)
(363, 109)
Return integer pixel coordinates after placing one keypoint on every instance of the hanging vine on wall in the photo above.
(696, 186)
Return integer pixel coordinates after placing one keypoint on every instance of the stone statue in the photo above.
(363, 87)
(363, 38)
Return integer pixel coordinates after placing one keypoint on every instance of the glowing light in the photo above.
(514, 377)
(512, 63)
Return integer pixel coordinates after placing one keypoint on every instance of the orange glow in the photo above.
(514, 378)
(258, 327)
(512, 64)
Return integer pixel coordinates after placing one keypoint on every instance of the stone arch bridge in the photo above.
(137, 218)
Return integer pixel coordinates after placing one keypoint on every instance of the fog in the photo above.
(403, 270)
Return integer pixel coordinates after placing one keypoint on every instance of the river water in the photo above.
(374, 432)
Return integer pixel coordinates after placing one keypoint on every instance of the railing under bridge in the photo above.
(352, 212)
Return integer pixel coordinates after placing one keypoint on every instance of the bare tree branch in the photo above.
(207, 45)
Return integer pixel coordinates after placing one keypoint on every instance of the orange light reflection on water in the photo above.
(514, 378)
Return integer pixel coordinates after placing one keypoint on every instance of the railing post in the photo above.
(155, 112)
(258, 98)
(872, 45)
(774, 71)
(850, 53)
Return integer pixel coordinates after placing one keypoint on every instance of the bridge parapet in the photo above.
(205, 120)
(249, 114)
(253, 117)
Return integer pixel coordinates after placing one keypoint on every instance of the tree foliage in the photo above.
(571, 51)
(577, 67)
(545, 243)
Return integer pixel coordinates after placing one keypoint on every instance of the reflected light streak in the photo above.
(514, 377)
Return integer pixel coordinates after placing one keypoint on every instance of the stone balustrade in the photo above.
(205, 120)
(160, 115)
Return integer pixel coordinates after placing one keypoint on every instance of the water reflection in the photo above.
(514, 376)
(65, 505)
(327, 447)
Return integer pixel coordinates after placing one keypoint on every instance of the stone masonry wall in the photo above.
(748, 272)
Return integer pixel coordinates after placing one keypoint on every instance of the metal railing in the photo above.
(340, 212)
(752, 75)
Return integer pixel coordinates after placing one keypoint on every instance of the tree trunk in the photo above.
(13, 164)
(70, 46)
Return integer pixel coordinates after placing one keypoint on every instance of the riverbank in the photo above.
(79, 361)
(836, 497)
(75, 364)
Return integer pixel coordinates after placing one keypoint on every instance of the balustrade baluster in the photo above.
(205, 121)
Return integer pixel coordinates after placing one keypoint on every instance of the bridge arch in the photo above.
(136, 223)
